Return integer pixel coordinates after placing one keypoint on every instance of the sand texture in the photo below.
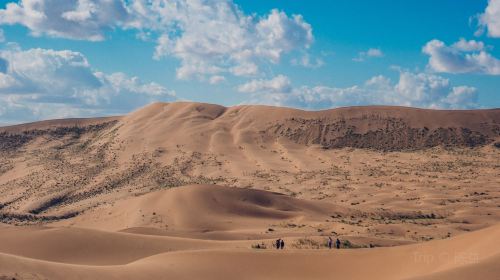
(190, 190)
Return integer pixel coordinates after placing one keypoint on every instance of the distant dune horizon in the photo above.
(241, 105)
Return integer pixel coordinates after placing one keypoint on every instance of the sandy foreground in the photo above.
(189, 190)
(80, 252)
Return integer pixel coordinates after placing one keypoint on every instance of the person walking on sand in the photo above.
(330, 242)
(282, 245)
(338, 243)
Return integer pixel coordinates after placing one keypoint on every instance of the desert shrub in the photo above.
(259, 246)
(346, 244)
(349, 245)
(307, 243)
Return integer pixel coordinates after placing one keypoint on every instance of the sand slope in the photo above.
(79, 253)
(205, 210)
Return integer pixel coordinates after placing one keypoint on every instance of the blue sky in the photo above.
(89, 58)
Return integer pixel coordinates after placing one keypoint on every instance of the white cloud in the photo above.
(279, 84)
(412, 89)
(217, 38)
(209, 37)
(490, 19)
(468, 46)
(465, 96)
(308, 62)
(73, 19)
(2, 36)
(245, 69)
(43, 83)
(461, 57)
(216, 80)
(278, 33)
(372, 52)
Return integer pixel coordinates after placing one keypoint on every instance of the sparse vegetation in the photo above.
(259, 246)
(307, 243)
(91, 165)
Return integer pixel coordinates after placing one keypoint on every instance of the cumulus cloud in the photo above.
(372, 52)
(490, 19)
(278, 33)
(412, 89)
(217, 38)
(73, 19)
(278, 84)
(468, 46)
(42, 83)
(461, 57)
(209, 37)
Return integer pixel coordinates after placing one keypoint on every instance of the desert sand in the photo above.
(190, 190)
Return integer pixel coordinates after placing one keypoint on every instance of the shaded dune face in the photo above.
(387, 134)
(204, 209)
(243, 202)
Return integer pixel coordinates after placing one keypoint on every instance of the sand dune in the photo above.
(392, 167)
(207, 209)
(377, 127)
(56, 253)
(184, 190)
(90, 247)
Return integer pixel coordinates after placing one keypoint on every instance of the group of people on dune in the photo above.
(330, 243)
(280, 243)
